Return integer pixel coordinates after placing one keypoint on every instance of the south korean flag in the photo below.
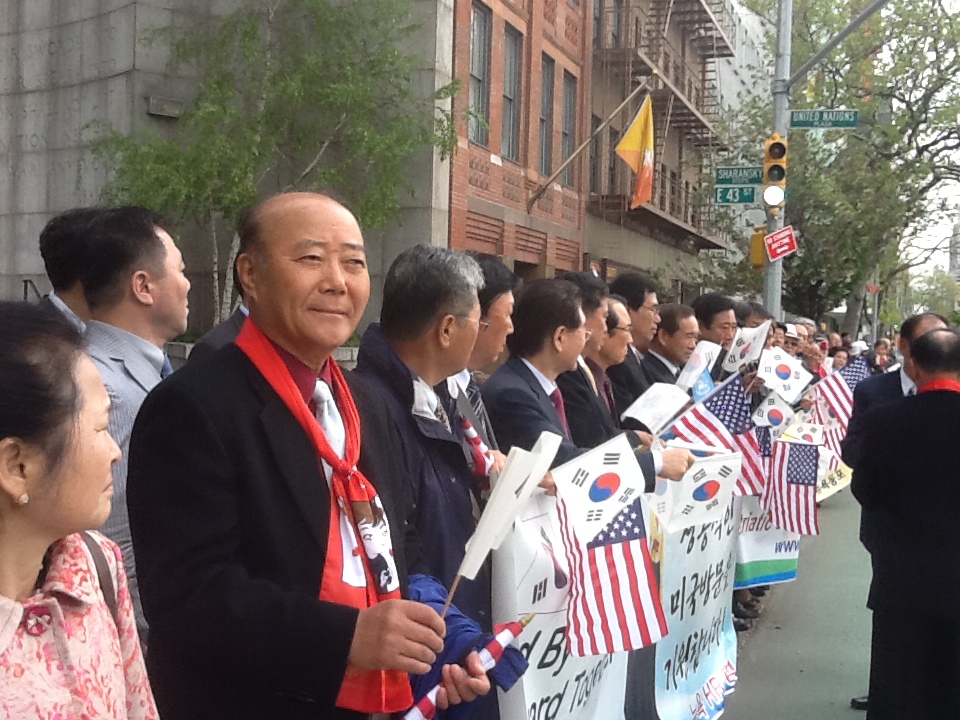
(701, 496)
(597, 485)
(775, 413)
(783, 374)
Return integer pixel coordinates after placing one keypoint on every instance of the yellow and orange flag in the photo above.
(636, 150)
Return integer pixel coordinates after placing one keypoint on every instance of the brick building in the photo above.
(524, 69)
(674, 45)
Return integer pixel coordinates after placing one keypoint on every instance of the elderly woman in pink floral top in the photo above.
(68, 642)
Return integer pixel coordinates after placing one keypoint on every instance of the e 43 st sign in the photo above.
(734, 195)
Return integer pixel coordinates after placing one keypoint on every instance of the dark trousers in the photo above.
(914, 666)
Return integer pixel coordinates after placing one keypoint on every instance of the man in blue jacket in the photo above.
(428, 325)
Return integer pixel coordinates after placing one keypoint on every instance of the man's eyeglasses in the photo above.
(483, 323)
(654, 309)
(627, 329)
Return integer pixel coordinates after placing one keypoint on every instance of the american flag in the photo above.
(765, 443)
(837, 389)
(833, 432)
(725, 418)
(791, 496)
(614, 600)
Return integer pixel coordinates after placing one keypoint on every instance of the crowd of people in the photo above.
(277, 537)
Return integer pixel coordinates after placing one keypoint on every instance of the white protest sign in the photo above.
(531, 574)
(766, 554)
(833, 475)
(747, 346)
(700, 496)
(783, 374)
(704, 355)
(598, 484)
(657, 406)
(515, 484)
(696, 664)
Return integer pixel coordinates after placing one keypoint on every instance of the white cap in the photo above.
(858, 348)
(791, 331)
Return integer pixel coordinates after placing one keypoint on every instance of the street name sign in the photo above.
(780, 244)
(824, 118)
(745, 175)
(726, 195)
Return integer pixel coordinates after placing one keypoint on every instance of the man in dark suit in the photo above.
(875, 392)
(267, 599)
(522, 397)
(63, 247)
(496, 307)
(628, 379)
(581, 393)
(915, 651)
(716, 315)
(674, 343)
(223, 333)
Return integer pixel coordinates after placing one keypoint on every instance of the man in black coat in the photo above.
(874, 392)
(523, 398)
(628, 379)
(230, 503)
(717, 318)
(672, 346)
(907, 473)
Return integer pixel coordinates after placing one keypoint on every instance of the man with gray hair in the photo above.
(428, 326)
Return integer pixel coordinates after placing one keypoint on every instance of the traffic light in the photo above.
(758, 251)
(774, 170)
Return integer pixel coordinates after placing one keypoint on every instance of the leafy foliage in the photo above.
(292, 95)
(859, 198)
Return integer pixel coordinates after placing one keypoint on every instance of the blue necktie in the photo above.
(167, 369)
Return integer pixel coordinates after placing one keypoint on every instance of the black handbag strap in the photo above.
(104, 576)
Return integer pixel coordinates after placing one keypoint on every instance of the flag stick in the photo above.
(453, 589)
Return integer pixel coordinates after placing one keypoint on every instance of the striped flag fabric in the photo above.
(791, 495)
(837, 389)
(833, 433)
(490, 654)
(614, 599)
(725, 418)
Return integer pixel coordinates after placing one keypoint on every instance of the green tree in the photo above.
(292, 94)
(860, 198)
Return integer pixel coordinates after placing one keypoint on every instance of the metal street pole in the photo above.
(773, 276)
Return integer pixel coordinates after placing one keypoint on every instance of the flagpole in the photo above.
(453, 589)
(537, 193)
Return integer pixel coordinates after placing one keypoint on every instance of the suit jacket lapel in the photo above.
(296, 459)
(545, 402)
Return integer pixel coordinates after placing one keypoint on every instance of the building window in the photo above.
(546, 115)
(480, 37)
(616, 32)
(595, 150)
(597, 23)
(569, 131)
(613, 167)
(512, 61)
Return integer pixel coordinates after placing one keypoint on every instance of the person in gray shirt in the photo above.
(137, 294)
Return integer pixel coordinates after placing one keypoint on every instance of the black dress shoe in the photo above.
(741, 624)
(744, 613)
(859, 703)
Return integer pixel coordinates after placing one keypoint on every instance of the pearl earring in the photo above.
(23, 500)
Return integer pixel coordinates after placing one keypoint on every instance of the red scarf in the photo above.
(365, 691)
(941, 384)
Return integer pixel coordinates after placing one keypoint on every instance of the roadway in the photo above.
(809, 652)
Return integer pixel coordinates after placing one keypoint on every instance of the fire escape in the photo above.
(631, 45)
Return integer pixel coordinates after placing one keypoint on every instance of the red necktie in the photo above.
(557, 399)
